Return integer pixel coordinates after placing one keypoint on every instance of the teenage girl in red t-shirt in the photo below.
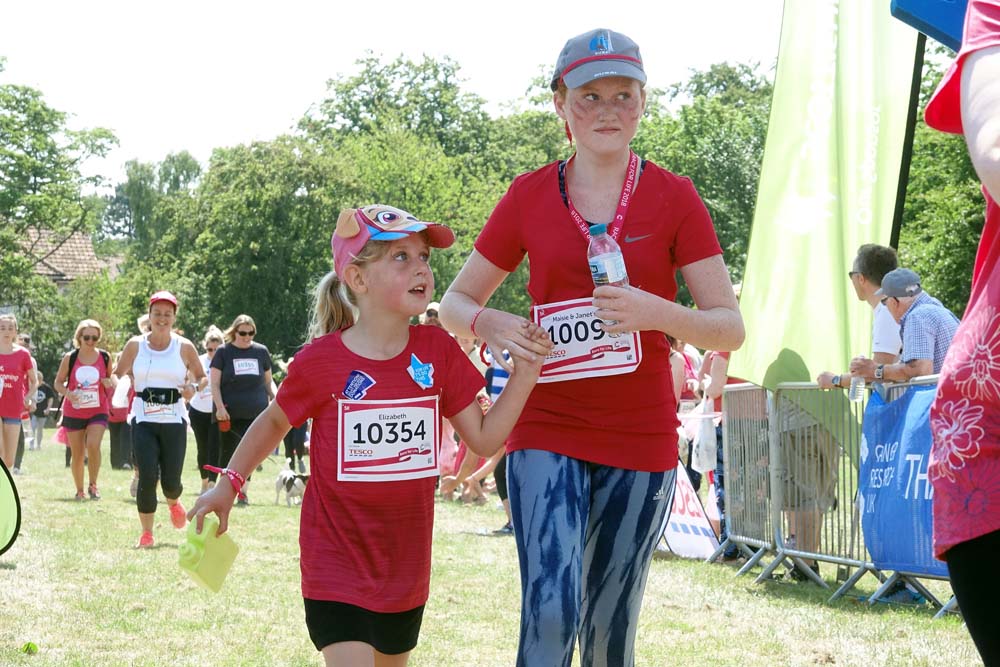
(16, 377)
(586, 451)
(367, 514)
(86, 408)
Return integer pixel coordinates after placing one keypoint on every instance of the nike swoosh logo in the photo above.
(633, 239)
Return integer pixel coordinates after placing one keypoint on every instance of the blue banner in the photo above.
(894, 492)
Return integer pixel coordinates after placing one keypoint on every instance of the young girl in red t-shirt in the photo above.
(376, 389)
(17, 387)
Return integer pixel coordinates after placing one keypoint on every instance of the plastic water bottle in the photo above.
(857, 391)
(607, 266)
(207, 557)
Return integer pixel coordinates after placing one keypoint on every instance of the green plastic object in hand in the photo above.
(207, 557)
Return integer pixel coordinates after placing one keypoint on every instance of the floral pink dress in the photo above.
(965, 417)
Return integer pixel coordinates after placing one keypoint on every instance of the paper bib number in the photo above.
(87, 398)
(582, 349)
(245, 367)
(382, 441)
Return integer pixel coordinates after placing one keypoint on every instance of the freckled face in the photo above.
(603, 114)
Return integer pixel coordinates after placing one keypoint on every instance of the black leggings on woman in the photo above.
(206, 435)
(973, 566)
(159, 452)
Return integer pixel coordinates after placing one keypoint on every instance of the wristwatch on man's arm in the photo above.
(879, 372)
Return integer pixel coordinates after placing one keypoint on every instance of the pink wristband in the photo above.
(475, 317)
(236, 479)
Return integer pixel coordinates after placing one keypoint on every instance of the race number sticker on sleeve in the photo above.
(582, 349)
(246, 367)
(382, 441)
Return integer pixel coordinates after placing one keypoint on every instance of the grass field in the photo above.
(74, 586)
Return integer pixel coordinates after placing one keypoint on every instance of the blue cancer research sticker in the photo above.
(358, 384)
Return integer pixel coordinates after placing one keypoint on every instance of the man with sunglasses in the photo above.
(870, 266)
(925, 325)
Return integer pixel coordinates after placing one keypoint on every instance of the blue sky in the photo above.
(169, 76)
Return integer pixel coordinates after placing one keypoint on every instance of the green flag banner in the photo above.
(828, 185)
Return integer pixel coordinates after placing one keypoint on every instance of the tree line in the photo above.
(249, 232)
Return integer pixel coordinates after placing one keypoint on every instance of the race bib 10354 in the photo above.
(382, 441)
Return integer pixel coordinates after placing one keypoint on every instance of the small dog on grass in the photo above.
(293, 483)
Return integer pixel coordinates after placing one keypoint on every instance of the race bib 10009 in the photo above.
(582, 348)
(382, 441)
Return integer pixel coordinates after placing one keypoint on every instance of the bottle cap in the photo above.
(598, 229)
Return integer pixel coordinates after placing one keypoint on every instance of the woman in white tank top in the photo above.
(160, 363)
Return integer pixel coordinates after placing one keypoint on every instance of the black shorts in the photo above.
(79, 424)
(389, 633)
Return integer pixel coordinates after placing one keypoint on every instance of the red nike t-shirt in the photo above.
(627, 421)
(368, 543)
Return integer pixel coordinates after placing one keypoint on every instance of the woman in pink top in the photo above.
(16, 375)
(83, 377)
(964, 466)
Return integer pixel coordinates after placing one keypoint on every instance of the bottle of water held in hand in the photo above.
(607, 266)
(857, 391)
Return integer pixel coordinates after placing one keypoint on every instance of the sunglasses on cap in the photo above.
(246, 333)
(90, 339)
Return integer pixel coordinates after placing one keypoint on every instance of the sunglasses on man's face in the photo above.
(246, 333)
(432, 313)
(90, 339)
(886, 298)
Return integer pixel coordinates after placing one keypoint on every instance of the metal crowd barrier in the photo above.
(791, 482)
(745, 461)
(815, 438)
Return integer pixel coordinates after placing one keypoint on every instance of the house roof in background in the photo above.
(63, 259)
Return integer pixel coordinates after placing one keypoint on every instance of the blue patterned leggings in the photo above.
(585, 536)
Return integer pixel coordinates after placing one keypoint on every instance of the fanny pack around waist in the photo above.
(160, 395)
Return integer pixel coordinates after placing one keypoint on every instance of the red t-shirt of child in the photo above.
(14, 369)
(369, 543)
